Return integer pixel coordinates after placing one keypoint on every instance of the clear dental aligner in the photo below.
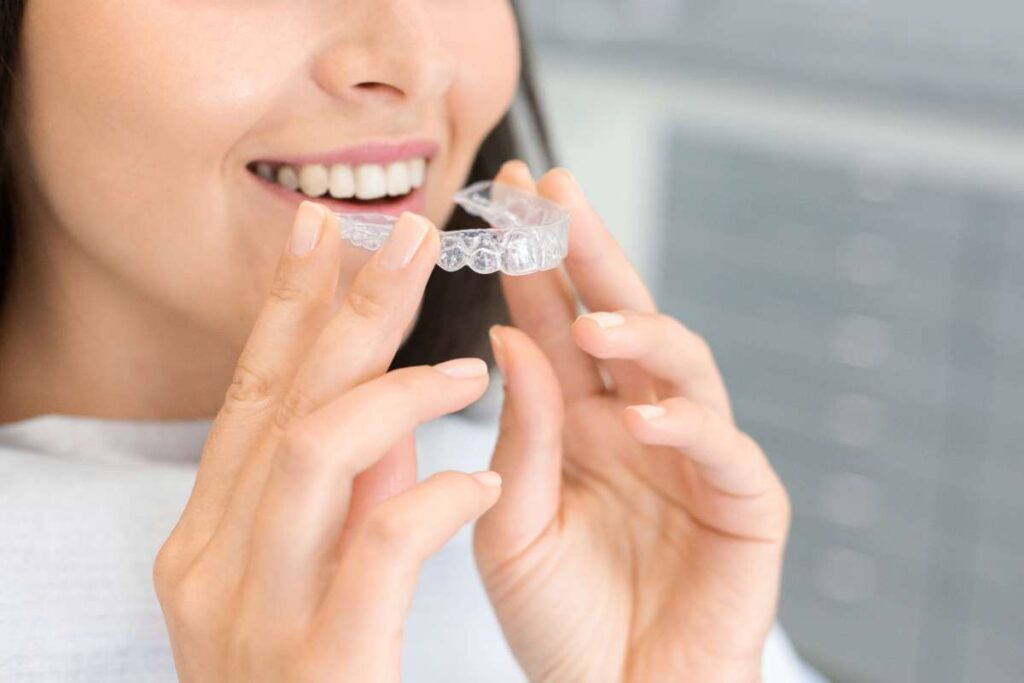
(529, 233)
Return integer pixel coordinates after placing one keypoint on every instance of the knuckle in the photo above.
(295, 405)
(695, 340)
(699, 422)
(780, 506)
(785, 505)
(164, 568)
(388, 531)
(285, 291)
(705, 434)
(749, 444)
(409, 380)
(365, 305)
(406, 387)
(781, 502)
(249, 388)
(672, 324)
(700, 345)
(302, 451)
(189, 604)
(778, 513)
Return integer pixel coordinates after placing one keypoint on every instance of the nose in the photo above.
(384, 50)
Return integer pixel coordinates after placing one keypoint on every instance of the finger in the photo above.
(372, 592)
(543, 305)
(528, 452)
(743, 495)
(307, 493)
(659, 346)
(598, 267)
(295, 312)
(600, 271)
(392, 474)
(516, 173)
(357, 343)
(361, 340)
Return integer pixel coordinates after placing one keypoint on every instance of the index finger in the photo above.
(286, 327)
(543, 305)
(357, 344)
(600, 270)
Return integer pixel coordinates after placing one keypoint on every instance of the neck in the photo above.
(77, 339)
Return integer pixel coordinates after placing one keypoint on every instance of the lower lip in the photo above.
(413, 202)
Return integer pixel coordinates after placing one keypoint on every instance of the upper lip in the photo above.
(371, 152)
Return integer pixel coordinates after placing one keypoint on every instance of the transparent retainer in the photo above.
(529, 233)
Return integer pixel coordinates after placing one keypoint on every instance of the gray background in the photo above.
(832, 192)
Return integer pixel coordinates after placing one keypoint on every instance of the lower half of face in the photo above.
(172, 142)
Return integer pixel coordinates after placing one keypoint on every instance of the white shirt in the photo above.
(85, 504)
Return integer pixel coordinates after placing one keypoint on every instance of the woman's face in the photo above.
(145, 126)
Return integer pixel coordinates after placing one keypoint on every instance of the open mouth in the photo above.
(362, 186)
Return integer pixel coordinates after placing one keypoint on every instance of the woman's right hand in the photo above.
(285, 565)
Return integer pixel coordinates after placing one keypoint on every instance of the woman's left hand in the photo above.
(622, 548)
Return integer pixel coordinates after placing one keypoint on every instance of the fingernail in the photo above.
(499, 349)
(309, 220)
(647, 411)
(605, 319)
(488, 478)
(405, 238)
(463, 368)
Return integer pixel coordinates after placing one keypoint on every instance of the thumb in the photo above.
(528, 452)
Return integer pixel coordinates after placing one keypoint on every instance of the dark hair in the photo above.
(457, 307)
(10, 21)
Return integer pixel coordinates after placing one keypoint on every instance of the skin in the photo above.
(266, 577)
(158, 106)
(618, 548)
(622, 548)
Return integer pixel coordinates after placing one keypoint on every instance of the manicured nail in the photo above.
(463, 368)
(499, 349)
(405, 238)
(605, 319)
(309, 220)
(488, 478)
(647, 411)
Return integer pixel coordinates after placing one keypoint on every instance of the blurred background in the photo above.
(832, 192)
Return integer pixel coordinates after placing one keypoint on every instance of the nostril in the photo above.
(375, 86)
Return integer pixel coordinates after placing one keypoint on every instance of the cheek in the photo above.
(483, 38)
(130, 113)
(486, 42)
(143, 99)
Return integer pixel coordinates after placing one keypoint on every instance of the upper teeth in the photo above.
(342, 181)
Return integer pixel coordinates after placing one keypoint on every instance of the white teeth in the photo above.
(398, 178)
(343, 182)
(371, 181)
(417, 170)
(313, 180)
(286, 176)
